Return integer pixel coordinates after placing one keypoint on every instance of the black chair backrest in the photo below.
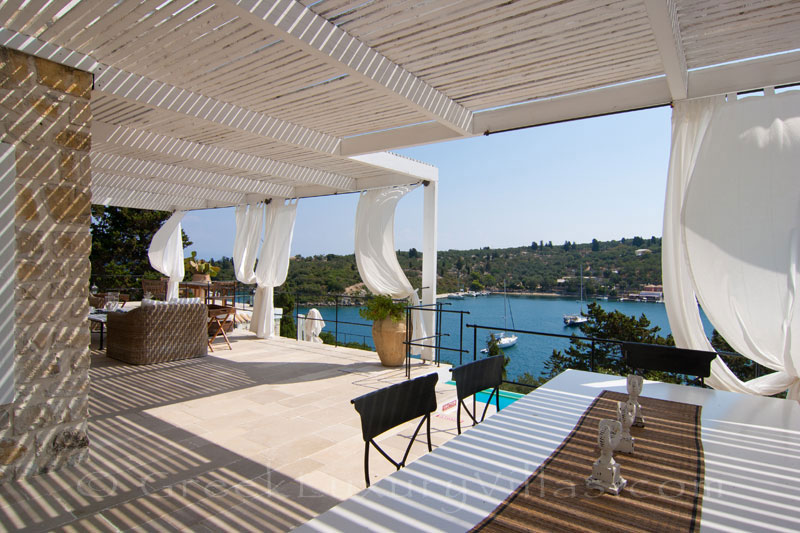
(391, 406)
(478, 375)
(668, 359)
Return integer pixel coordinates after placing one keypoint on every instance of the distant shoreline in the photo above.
(545, 294)
(444, 296)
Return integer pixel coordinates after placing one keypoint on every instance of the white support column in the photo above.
(429, 260)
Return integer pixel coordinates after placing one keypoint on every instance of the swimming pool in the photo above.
(506, 398)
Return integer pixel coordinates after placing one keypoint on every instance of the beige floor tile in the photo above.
(269, 423)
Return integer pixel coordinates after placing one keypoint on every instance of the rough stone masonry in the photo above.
(46, 117)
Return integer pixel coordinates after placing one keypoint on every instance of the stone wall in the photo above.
(46, 116)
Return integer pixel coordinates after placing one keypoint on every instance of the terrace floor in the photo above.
(259, 438)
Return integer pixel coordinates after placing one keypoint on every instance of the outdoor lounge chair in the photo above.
(158, 333)
(391, 406)
(668, 359)
(472, 378)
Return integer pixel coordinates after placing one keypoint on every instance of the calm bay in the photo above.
(533, 313)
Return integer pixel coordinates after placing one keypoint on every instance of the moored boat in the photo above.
(577, 319)
(574, 320)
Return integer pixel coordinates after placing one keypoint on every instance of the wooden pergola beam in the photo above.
(663, 15)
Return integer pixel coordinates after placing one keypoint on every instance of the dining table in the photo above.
(705, 460)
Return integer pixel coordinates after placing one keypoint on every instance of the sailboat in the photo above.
(570, 321)
(505, 340)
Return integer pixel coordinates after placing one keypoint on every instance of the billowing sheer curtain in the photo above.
(733, 217)
(273, 260)
(249, 224)
(273, 264)
(690, 119)
(375, 252)
(166, 252)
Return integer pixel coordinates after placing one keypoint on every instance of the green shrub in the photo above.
(382, 307)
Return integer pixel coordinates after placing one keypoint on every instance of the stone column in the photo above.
(46, 117)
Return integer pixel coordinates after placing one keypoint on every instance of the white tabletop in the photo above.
(751, 447)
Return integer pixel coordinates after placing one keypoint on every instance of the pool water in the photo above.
(506, 398)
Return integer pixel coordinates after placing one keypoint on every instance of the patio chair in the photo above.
(120, 297)
(156, 287)
(472, 378)
(220, 321)
(383, 409)
(668, 359)
(224, 291)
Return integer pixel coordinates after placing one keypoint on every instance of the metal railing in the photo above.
(592, 356)
(438, 335)
(337, 300)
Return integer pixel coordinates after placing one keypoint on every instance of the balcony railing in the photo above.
(345, 330)
(594, 356)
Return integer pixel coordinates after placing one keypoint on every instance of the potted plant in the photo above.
(388, 328)
(200, 269)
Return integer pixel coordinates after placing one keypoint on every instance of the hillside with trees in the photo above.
(121, 236)
(610, 268)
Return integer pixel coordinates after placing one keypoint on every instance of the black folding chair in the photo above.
(668, 359)
(391, 406)
(472, 378)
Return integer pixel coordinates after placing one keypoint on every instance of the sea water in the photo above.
(532, 313)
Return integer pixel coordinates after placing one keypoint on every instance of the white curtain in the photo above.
(690, 119)
(273, 264)
(249, 224)
(739, 229)
(375, 252)
(166, 252)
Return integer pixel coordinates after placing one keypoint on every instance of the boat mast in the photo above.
(505, 302)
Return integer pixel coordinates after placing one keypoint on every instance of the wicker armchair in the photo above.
(155, 334)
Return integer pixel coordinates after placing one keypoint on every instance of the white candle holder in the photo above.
(626, 413)
(635, 384)
(605, 471)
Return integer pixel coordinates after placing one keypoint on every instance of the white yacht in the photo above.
(506, 341)
(576, 319)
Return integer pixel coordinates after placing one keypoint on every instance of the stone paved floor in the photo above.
(259, 438)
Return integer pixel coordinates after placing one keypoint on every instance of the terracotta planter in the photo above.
(205, 278)
(389, 337)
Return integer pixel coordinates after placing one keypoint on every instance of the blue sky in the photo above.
(600, 178)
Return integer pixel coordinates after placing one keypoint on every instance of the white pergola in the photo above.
(200, 103)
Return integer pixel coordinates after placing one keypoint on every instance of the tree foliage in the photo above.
(611, 268)
(607, 357)
(286, 302)
(120, 239)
